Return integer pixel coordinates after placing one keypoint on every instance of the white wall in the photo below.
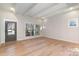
(21, 22)
(57, 28)
(5, 15)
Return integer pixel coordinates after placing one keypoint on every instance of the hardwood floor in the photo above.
(40, 47)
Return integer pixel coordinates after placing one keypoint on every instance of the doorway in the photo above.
(10, 31)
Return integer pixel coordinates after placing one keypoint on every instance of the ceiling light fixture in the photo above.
(71, 8)
(12, 9)
(44, 19)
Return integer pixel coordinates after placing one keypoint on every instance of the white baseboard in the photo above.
(30, 37)
(72, 41)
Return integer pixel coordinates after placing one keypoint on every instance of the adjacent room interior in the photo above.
(39, 29)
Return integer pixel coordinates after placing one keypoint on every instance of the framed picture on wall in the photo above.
(73, 23)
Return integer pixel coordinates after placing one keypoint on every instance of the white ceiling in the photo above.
(38, 9)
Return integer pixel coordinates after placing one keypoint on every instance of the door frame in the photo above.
(15, 30)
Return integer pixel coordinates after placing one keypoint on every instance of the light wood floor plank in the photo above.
(41, 46)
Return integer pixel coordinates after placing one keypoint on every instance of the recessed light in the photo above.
(12, 9)
(71, 8)
(44, 19)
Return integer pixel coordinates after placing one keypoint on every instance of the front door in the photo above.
(10, 31)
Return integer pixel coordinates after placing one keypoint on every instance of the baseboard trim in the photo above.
(63, 40)
(2, 45)
(19, 41)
